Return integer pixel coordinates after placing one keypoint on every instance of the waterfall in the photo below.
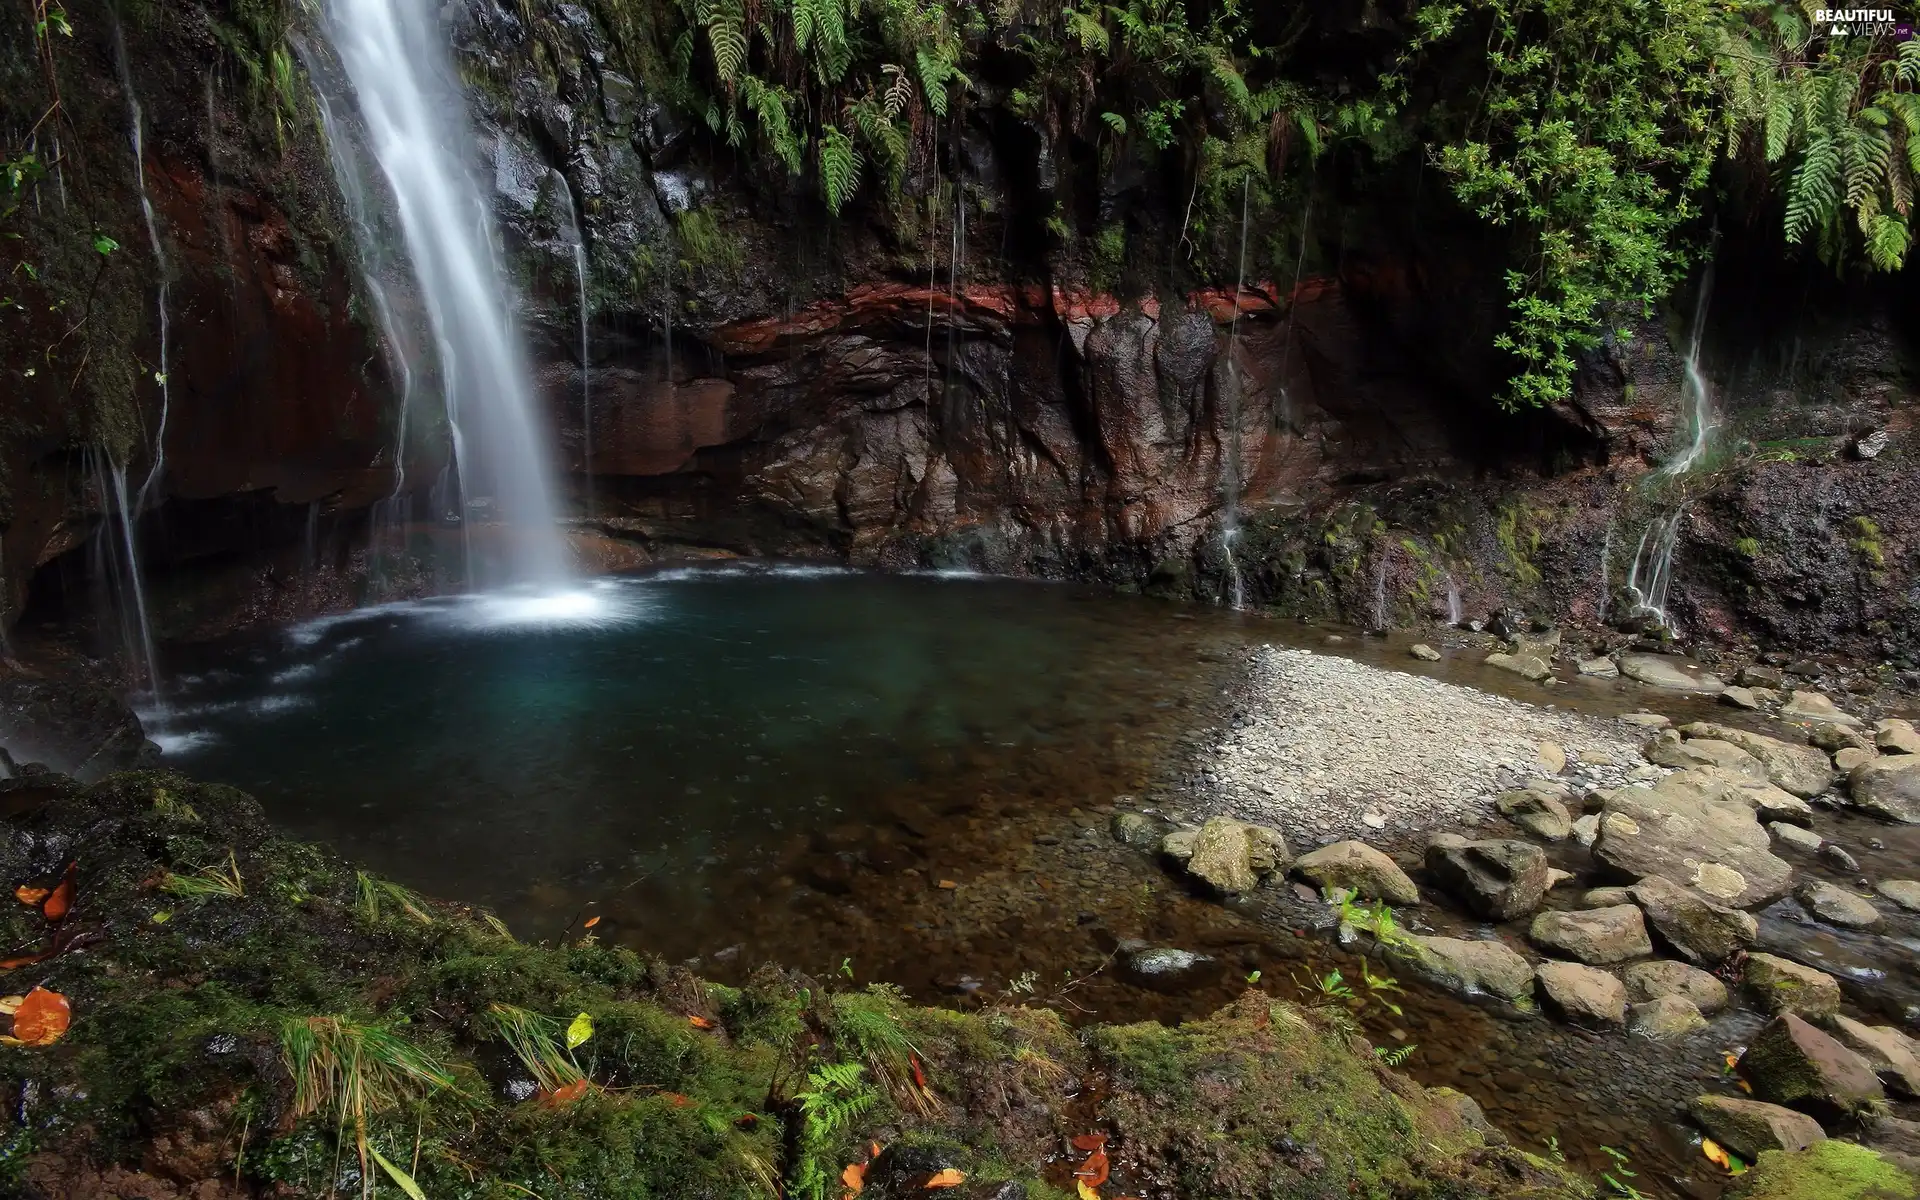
(396, 60)
(118, 563)
(1230, 478)
(1380, 596)
(165, 271)
(1651, 573)
(1453, 600)
(577, 242)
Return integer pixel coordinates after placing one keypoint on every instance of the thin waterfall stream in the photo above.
(1650, 575)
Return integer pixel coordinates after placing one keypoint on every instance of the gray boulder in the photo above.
(1836, 905)
(1712, 845)
(1790, 1062)
(1539, 812)
(1468, 967)
(1904, 892)
(1498, 879)
(1780, 985)
(1582, 995)
(1702, 931)
(1646, 981)
(1748, 1127)
(1887, 787)
(1888, 1051)
(1892, 735)
(1664, 1017)
(1815, 707)
(1597, 935)
(1360, 869)
(1803, 770)
(1524, 665)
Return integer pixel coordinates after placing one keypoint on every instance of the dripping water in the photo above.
(396, 60)
(1650, 575)
(577, 242)
(136, 119)
(1453, 601)
(117, 562)
(1230, 482)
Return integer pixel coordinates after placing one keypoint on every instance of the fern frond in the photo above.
(1814, 191)
(1086, 29)
(1780, 109)
(839, 168)
(1888, 239)
(726, 37)
(1115, 122)
(899, 95)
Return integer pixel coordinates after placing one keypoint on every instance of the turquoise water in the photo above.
(677, 732)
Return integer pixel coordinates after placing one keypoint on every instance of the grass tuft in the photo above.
(536, 1041)
(212, 880)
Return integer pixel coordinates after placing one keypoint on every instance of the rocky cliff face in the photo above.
(943, 382)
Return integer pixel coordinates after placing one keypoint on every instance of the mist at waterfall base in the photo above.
(666, 744)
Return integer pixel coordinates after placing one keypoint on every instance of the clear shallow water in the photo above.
(684, 736)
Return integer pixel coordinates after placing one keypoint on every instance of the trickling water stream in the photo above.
(163, 272)
(1651, 573)
(395, 56)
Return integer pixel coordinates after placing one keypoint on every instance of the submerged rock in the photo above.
(1751, 1127)
(1360, 869)
(1524, 665)
(1424, 652)
(1167, 969)
(1669, 672)
(1904, 892)
(1598, 668)
(1815, 706)
(1790, 1062)
(1498, 879)
(1138, 830)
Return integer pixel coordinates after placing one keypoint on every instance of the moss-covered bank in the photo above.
(216, 1037)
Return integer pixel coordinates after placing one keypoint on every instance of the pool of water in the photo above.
(689, 738)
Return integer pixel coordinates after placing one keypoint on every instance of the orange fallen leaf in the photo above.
(919, 1076)
(676, 1099)
(8, 964)
(565, 1094)
(1715, 1154)
(855, 1177)
(1744, 1086)
(591, 922)
(1089, 1141)
(1094, 1171)
(700, 1022)
(1083, 1191)
(40, 1017)
(946, 1179)
(873, 1150)
(30, 896)
(948, 884)
(61, 900)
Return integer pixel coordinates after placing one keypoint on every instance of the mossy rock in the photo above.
(1832, 1170)
(184, 1003)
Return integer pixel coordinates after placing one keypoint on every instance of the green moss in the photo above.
(1865, 542)
(1832, 1170)
(1748, 547)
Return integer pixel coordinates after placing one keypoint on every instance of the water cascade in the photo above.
(1651, 573)
(396, 60)
(117, 562)
(1453, 601)
(1230, 476)
(576, 239)
(163, 269)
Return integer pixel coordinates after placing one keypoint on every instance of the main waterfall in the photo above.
(396, 59)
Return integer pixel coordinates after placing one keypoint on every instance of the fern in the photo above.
(1888, 240)
(839, 168)
(835, 1098)
(885, 139)
(1086, 29)
(726, 36)
(1115, 122)
(1815, 189)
